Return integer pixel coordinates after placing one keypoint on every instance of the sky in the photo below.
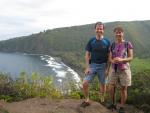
(26, 17)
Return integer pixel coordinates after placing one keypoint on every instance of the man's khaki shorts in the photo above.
(123, 77)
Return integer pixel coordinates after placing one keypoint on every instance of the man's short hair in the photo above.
(118, 28)
(99, 23)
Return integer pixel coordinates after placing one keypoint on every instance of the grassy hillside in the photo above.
(69, 42)
(139, 65)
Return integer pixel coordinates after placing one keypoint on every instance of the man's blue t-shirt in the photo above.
(99, 50)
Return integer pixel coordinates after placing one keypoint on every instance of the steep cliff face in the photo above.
(45, 105)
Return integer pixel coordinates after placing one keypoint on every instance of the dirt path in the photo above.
(38, 105)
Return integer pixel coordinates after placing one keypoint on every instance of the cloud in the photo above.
(23, 17)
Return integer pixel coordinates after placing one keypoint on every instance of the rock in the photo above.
(38, 105)
(46, 105)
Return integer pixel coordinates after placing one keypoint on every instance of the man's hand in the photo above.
(87, 71)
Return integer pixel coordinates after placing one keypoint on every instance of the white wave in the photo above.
(76, 76)
(61, 74)
(42, 58)
(54, 64)
(59, 80)
(60, 68)
(53, 69)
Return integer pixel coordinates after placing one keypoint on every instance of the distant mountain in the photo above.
(69, 42)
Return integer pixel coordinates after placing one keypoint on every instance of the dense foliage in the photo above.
(27, 87)
(35, 85)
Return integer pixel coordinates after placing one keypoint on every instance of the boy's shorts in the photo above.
(97, 69)
(121, 76)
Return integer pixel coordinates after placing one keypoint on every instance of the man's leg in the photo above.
(86, 102)
(102, 92)
(86, 90)
(101, 76)
(103, 88)
(87, 80)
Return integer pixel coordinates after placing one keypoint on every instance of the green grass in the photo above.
(138, 65)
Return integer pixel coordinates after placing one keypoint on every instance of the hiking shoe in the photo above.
(121, 110)
(112, 107)
(84, 104)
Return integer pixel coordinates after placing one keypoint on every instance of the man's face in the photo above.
(99, 29)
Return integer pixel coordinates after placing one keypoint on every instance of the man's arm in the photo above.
(87, 61)
(87, 58)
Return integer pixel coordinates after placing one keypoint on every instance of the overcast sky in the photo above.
(25, 17)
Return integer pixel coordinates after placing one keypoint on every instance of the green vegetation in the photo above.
(139, 92)
(24, 87)
(139, 65)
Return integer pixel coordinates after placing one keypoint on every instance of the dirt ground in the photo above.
(45, 105)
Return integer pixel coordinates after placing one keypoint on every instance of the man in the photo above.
(121, 53)
(97, 50)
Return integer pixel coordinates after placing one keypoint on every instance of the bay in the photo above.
(45, 65)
